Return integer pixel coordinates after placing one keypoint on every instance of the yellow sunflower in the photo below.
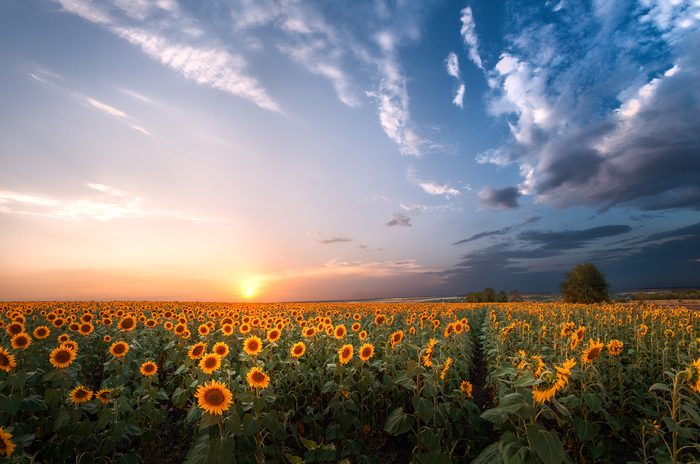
(213, 397)
(71, 345)
(257, 378)
(593, 351)
(7, 360)
(227, 329)
(252, 345)
(149, 368)
(203, 330)
(41, 332)
(119, 349)
(103, 395)
(209, 363)
(6, 445)
(356, 326)
(14, 328)
(197, 351)
(61, 357)
(221, 349)
(615, 347)
(396, 338)
(363, 335)
(298, 349)
(693, 373)
(366, 351)
(128, 324)
(273, 335)
(21, 340)
(80, 395)
(445, 368)
(85, 328)
(244, 328)
(339, 331)
(467, 387)
(345, 354)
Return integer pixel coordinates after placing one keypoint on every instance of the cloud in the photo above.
(399, 219)
(570, 239)
(117, 114)
(452, 64)
(431, 187)
(110, 204)
(209, 64)
(471, 40)
(602, 104)
(363, 247)
(333, 240)
(504, 231)
(506, 198)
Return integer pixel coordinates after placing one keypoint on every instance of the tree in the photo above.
(585, 284)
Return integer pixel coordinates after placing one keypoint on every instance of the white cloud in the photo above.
(111, 204)
(469, 36)
(431, 187)
(452, 63)
(118, 114)
(459, 96)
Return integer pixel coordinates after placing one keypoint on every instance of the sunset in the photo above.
(299, 151)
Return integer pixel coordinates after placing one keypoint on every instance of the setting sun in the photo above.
(249, 291)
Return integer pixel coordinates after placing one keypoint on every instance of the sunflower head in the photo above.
(21, 340)
(7, 447)
(345, 353)
(615, 347)
(61, 357)
(257, 378)
(197, 351)
(298, 349)
(7, 360)
(104, 396)
(340, 331)
(467, 387)
(127, 324)
(366, 351)
(273, 335)
(119, 349)
(592, 352)
(148, 368)
(252, 345)
(363, 335)
(41, 332)
(209, 363)
(396, 338)
(80, 395)
(221, 349)
(213, 397)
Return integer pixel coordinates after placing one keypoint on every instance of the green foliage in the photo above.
(692, 294)
(489, 295)
(585, 284)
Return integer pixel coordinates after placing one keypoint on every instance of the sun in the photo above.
(249, 292)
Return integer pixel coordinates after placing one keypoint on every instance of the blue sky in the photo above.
(301, 150)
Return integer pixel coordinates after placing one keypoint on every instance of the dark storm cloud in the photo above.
(504, 231)
(603, 103)
(333, 240)
(506, 198)
(571, 239)
(399, 219)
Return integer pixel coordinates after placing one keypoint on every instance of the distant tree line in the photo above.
(692, 294)
(489, 295)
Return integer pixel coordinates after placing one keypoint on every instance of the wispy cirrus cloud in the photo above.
(109, 204)
(452, 64)
(399, 219)
(187, 53)
(602, 101)
(117, 114)
(471, 40)
(503, 231)
(331, 240)
(431, 187)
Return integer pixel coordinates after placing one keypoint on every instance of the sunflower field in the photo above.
(133, 382)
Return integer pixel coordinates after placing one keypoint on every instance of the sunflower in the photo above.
(180, 329)
(21, 340)
(168, 325)
(615, 347)
(41, 332)
(80, 395)
(669, 333)
(643, 330)
(257, 378)
(128, 324)
(197, 351)
(7, 360)
(339, 331)
(252, 345)
(273, 335)
(213, 397)
(356, 326)
(103, 395)
(429, 351)
(85, 328)
(592, 351)
(298, 349)
(396, 338)
(449, 330)
(444, 369)
(366, 351)
(356, 317)
(467, 387)
(6, 445)
(150, 323)
(58, 322)
(203, 330)
(693, 374)
(220, 349)
(345, 353)
(209, 363)
(119, 349)
(459, 327)
(363, 335)
(148, 368)
(244, 328)
(14, 328)
(107, 338)
(61, 357)
(379, 319)
(309, 332)
(227, 329)
(71, 345)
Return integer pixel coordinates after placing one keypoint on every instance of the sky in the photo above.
(289, 150)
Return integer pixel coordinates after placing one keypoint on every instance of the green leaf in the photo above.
(198, 453)
(133, 429)
(333, 432)
(293, 459)
(404, 381)
(423, 407)
(329, 387)
(194, 413)
(585, 430)
(34, 403)
(514, 403)
(251, 426)
(495, 416)
(527, 380)
(430, 458)
(398, 422)
(130, 457)
(233, 423)
(221, 450)
(118, 429)
(547, 445)
(490, 455)
(11, 405)
(571, 400)
(593, 401)
(660, 386)
(430, 440)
